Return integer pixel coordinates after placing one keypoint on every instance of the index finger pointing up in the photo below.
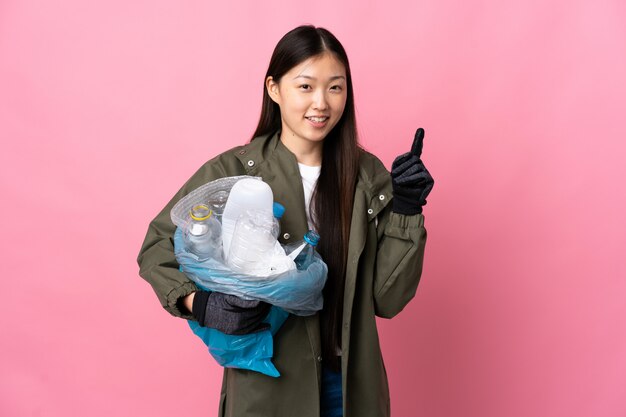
(418, 143)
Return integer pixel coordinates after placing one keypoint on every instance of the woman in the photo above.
(372, 239)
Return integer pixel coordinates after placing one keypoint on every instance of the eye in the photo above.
(336, 88)
(305, 86)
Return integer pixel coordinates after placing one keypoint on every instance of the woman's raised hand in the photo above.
(410, 179)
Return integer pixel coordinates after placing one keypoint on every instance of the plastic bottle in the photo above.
(279, 211)
(217, 202)
(202, 234)
(246, 194)
(302, 252)
(253, 243)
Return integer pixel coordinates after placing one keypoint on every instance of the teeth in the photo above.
(317, 119)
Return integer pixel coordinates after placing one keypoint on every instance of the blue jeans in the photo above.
(331, 402)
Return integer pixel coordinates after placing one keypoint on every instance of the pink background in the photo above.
(106, 108)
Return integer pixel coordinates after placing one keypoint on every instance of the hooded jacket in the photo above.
(384, 266)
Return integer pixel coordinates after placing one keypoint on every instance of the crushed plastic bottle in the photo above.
(203, 233)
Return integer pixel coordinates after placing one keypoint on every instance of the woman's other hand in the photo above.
(229, 314)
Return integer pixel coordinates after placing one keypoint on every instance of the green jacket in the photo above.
(385, 257)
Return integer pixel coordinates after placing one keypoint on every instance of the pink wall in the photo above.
(106, 108)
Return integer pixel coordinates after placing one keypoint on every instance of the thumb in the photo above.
(418, 143)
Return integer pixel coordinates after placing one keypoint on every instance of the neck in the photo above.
(306, 152)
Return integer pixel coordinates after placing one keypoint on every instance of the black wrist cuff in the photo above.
(199, 306)
(405, 206)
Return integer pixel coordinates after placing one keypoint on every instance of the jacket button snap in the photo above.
(242, 152)
(319, 358)
(286, 236)
(251, 163)
(381, 197)
(370, 211)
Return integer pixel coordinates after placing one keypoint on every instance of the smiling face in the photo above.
(311, 97)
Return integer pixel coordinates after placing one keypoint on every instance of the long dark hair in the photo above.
(334, 194)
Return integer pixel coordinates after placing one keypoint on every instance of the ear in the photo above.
(272, 89)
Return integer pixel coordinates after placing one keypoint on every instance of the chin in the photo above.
(317, 138)
(318, 135)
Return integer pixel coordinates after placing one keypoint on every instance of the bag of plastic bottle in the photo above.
(295, 291)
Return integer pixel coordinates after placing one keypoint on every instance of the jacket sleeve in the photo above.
(157, 263)
(399, 259)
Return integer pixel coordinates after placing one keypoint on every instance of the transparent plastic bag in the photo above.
(297, 291)
(213, 193)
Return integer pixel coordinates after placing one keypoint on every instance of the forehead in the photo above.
(321, 67)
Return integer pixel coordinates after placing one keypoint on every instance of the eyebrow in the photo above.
(313, 78)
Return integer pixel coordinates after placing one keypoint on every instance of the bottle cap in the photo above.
(200, 212)
(312, 238)
(279, 210)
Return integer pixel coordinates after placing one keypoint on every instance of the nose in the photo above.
(319, 100)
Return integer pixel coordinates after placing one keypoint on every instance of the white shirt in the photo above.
(309, 176)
